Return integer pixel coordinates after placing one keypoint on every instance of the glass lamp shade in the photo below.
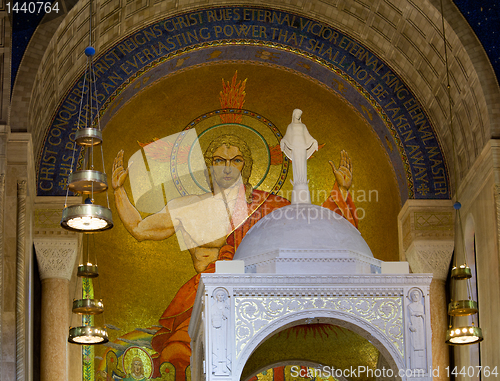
(87, 182)
(461, 272)
(88, 306)
(87, 137)
(462, 308)
(86, 218)
(464, 335)
(88, 335)
(87, 271)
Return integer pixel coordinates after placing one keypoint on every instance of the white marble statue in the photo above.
(417, 330)
(221, 360)
(298, 145)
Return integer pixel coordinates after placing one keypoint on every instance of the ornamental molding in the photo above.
(47, 222)
(271, 255)
(284, 257)
(305, 292)
(254, 314)
(425, 220)
(56, 258)
(251, 280)
(438, 235)
(56, 233)
(339, 256)
(47, 216)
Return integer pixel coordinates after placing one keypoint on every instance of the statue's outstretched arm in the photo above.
(312, 148)
(157, 226)
(286, 147)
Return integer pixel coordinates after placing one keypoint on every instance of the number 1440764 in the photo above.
(33, 7)
(472, 371)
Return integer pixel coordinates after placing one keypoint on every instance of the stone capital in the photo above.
(426, 236)
(430, 257)
(56, 256)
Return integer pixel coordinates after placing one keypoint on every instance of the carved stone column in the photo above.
(21, 270)
(56, 253)
(16, 162)
(56, 259)
(2, 212)
(426, 242)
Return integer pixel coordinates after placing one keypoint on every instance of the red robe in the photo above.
(172, 342)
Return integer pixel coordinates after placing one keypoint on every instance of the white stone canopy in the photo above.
(305, 238)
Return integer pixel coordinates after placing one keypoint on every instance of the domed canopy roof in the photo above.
(303, 228)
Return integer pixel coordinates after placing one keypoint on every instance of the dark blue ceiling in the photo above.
(23, 27)
(483, 16)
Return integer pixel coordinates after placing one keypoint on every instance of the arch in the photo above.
(25, 80)
(334, 60)
(364, 329)
(419, 63)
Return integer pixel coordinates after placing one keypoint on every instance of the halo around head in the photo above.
(133, 352)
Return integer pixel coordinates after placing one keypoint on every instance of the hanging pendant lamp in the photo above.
(459, 334)
(87, 307)
(87, 335)
(88, 217)
(459, 308)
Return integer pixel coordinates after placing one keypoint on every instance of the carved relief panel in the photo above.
(220, 330)
(391, 312)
